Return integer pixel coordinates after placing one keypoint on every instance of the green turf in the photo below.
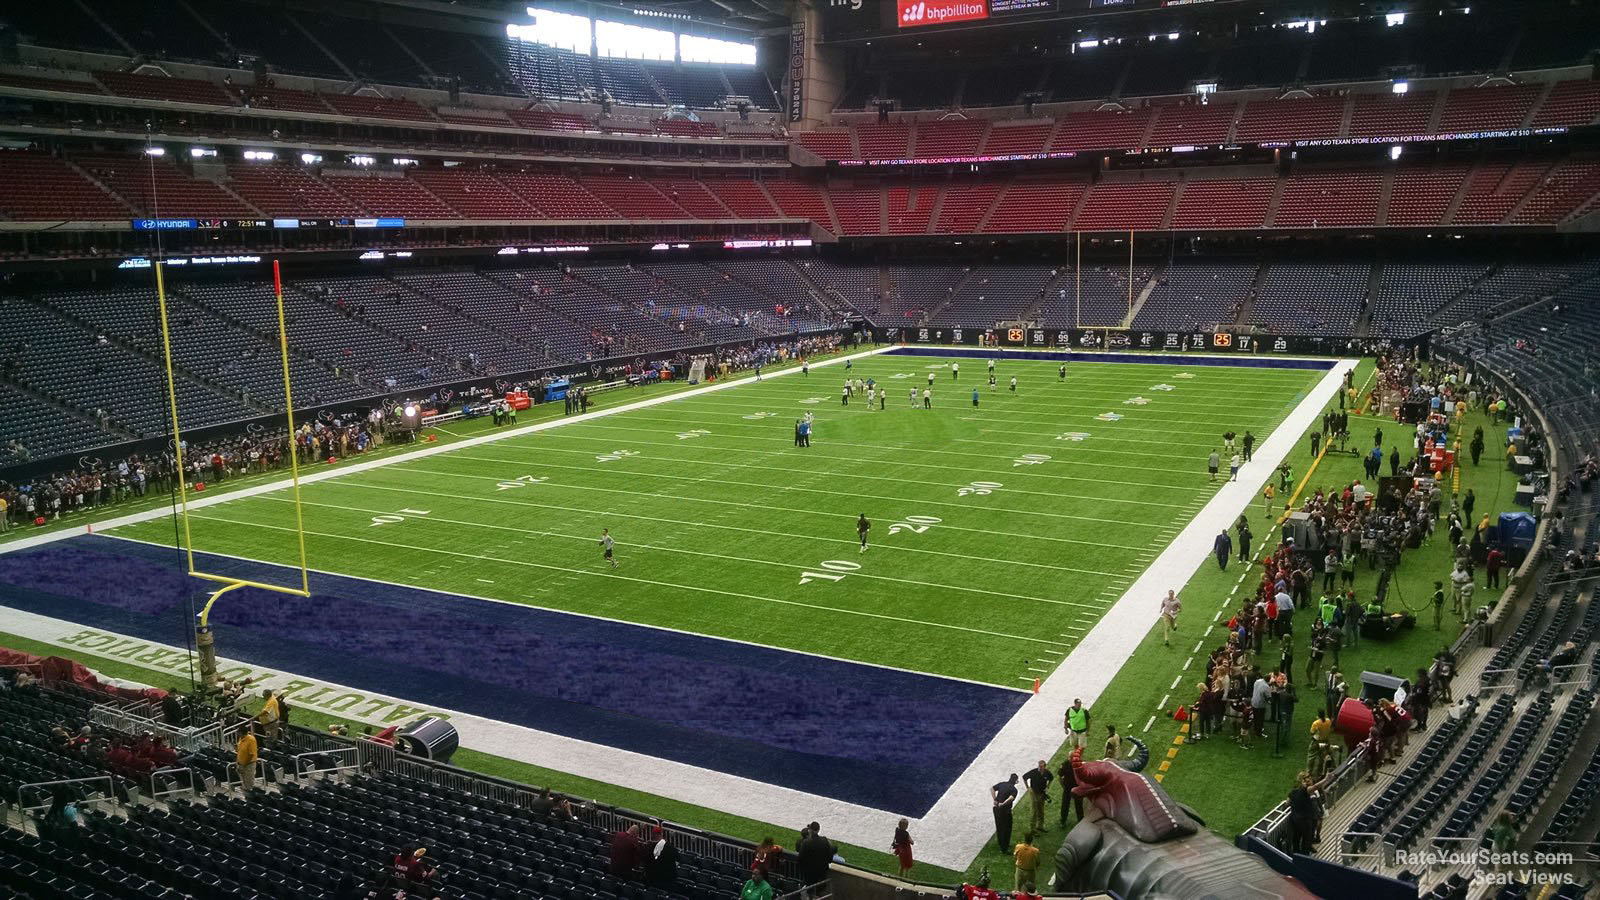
(725, 528)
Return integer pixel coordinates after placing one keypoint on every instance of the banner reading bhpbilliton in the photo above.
(915, 13)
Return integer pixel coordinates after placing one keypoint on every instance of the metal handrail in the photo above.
(189, 740)
(109, 795)
(348, 753)
(158, 793)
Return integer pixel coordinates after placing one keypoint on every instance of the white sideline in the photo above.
(959, 824)
(323, 475)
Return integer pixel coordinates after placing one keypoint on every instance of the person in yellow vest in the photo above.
(271, 715)
(5, 522)
(246, 754)
(1077, 724)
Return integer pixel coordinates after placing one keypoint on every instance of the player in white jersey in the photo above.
(610, 546)
(1013, 384)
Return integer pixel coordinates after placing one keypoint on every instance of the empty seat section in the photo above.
(1570, 103)
(36, 186)
(1290, 120)
(1422, 195)
(1392, 115)
(996, 293)
(860, 210)
(389, 195)
(1192, 125)
(1409, 294)
(1016, 139)
(1494, 189)
(1101, 131)
(965, 206)
(960, 137)
(801, 200)
(1125, 206)
(742, 196)
(1317, 299)
(1223, 203)
(890, 141)
(378, 107)
(162, 87)
(1098, 296)
(827, 144)
(634, 198)
(911, 209)
(157, 186)
(1043, 206)
(1468, 110)
(474, 194)
(289, 190)
(1327, 199)
(557, 196)
(694, 198)
(1561, 193)
(1196, 296)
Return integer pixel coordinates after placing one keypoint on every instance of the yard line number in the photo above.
(915, 524)
(692, 434)
(395, 519)
(835, 571)
(978, 489)
(1030, 459)
(615, 455)
(521, 481)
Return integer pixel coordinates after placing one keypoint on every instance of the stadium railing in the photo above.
(136, 720)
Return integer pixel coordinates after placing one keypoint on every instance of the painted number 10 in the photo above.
(837, 569)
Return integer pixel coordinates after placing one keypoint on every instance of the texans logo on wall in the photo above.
(447, 395)
(594, 371)
(501, 386)
(325, 415)
(254, 428)
(89, 462)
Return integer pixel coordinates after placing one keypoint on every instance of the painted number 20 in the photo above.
(915, 524)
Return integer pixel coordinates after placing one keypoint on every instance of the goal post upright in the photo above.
(204, 638)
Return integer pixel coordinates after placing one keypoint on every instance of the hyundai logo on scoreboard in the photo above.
(916, 13)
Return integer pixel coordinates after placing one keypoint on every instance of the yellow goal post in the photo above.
(229, 582)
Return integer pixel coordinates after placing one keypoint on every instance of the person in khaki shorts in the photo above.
(246, 754)
(1266, 500)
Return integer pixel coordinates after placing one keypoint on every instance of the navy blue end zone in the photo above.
(876, 737)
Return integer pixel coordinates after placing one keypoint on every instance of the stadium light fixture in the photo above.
(362, 160)
(1172, 35)
(403, 161)
(155, 151)
(1395, 151)
(198, 152)
(260, 155)
(310, 159)
(1400, 87)
(1088, 44)
(1393, 19)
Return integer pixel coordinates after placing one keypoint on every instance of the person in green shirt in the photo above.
(757, 888)
(1347, 573)
(1327, 608)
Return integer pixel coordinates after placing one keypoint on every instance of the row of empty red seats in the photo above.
(101, 186)
(1367, 115)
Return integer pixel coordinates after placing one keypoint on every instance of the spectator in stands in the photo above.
(271, 715)
(661, 862)
(814, 855)
(411, 867)
(756, 888)
(626, 853)
(245, 755)
(60, 822)
(766, 854)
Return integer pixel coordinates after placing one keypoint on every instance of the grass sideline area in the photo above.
(1229, 786)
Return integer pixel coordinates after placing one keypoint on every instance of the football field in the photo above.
(999, 531)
